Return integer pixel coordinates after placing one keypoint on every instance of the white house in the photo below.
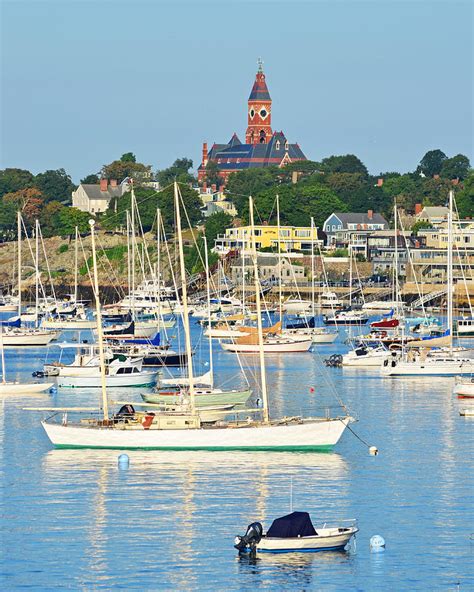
(343, 228)
(95, 198)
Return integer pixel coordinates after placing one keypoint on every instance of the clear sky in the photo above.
(85, 81)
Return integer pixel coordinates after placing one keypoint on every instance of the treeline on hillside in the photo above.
(337, 183)
(342, 183)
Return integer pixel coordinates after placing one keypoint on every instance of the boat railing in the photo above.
(347, 523)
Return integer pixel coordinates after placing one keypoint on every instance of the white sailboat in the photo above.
(175, 431)
(8, 387)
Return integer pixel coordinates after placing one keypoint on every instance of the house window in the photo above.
(218, 161)
(238, 160)
(286, 145)
(277, 146)
(228, 161)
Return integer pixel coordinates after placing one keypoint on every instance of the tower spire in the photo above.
(259, 117)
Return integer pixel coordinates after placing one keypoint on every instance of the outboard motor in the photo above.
(248, 543)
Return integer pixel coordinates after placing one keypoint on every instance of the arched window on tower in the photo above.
(262, 137)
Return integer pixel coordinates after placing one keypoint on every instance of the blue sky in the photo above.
(85, 81)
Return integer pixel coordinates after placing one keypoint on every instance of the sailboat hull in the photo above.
(269, 348)
(309, 435)
(202, 398)
(16, 388)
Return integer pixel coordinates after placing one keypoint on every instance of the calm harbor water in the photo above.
(73, 519)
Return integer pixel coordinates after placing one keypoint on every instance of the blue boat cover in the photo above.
(304, 324)
(296, 524)
(13, 322)
(154, 341)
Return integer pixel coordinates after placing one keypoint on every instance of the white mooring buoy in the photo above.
(373, 450)
(123, 461)
(377, 544)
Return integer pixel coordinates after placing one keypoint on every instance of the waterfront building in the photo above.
(269, 269)
(263, 147)
(292, 238)
(95, 198)
(437, 238)
(433, 214)
(344, 228)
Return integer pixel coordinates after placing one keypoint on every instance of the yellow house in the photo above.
(292, 238)
(437, 238)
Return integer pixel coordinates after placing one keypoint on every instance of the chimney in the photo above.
(113, 182)
(103, 184)
(379, 182)
(418, 208)
(370, 214)
(294, 177)
(204, 153)
(204, 187)
(435, 176)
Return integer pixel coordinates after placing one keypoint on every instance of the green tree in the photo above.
(12, 180)
(349, 163)
(119, 170)
(432, 162)
(216, 224)
(148, 201)
(55, 185)
(178, 171)
(49, 218)
(465, 197)
(420, 224)
(456, 167)
(213, 173)
(90, 180)
(250, 182)
(128, 157)
(344, 184)
(71, 217)
(8, 210)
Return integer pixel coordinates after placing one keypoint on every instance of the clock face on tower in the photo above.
(263, 112)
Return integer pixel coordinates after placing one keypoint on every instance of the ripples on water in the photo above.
(73, 519)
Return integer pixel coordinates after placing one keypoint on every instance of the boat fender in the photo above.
(377, 544)
(123, 461)
(148, 420)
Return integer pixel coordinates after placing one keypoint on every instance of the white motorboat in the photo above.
(296, 533)
(316, 334)
(365, 356)
(118, 373)
(8, 303)
(464, 327)
(297, 305)
(329, 300)
(464, 388)
(346, 317)
(74, 323)
(421, 364)
(382, 306)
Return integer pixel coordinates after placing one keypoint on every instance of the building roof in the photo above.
(236, 156)
(93, 191)
(259, 90)
(434, 212)
(360, 218)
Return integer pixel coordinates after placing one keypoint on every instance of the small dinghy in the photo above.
(295, 533)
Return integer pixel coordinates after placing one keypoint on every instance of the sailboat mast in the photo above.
(350, 273)
(266, 415)
(395, 267)
(36, 271)
(18, 224)
(450, 269)
(187, 333)
(208, 292)
(312, 269)
(133, 249)
(4, 378)
(76, 262)
(280, 304)
(100, 335)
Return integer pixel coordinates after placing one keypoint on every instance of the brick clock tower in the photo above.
(259, 113)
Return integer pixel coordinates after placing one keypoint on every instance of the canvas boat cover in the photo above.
(296, 524)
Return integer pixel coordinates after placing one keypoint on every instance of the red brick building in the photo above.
(262, 147)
